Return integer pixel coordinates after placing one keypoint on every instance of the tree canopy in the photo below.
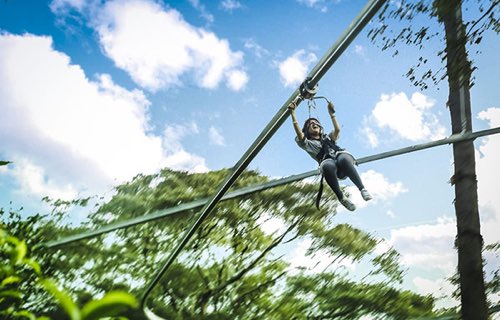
(235, 267)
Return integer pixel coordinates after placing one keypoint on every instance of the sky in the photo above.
(94, 92)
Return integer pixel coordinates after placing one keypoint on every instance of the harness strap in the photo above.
(320, 192)
(327, 144)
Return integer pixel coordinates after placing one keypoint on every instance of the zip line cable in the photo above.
(315, 75)
(160, 214)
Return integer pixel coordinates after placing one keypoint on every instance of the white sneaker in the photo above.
(366, 195)
(348, 204)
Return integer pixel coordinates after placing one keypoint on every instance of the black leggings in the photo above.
(343, 166)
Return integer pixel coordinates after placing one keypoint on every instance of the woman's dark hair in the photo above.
(305, 128)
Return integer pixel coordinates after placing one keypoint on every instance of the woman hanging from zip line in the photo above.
(334, 162)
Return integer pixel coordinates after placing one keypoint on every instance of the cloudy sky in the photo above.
(93, 93)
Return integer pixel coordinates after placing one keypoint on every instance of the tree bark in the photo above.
(469, 241)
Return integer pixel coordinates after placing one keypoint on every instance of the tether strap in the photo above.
(311, 105)
(320, 192)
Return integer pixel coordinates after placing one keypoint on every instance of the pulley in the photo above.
(306, 92)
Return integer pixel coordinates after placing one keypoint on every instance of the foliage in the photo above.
(334, 297)
(400, 23)
(493, 285)
(233, 268)
(21, 276)
(492, 280)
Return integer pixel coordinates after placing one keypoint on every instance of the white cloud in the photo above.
(427, 246)
(359, 49)
(33, 180)
(411, 255)
(488, 176)
(202, 10)
(158, 48)
(293, 70)
(391, 214)
(317, 4)
(237, 79)
(61, 6)
(379, 187)
(182, 160)
(409, 118)
(310, 3)
(66, 131)
(216, 137)
(177, 157)
(257, 49)
(173, 134)
(437, 288)
(382, 247)
(371, 136)
(230, 5)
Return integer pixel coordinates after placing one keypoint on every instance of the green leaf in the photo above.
(112, 304)
(21, 249)
(12, 240)
(11, 294)
(25, 314)
(63, 299)
(9, 280)
(4, 163)
(34, 265)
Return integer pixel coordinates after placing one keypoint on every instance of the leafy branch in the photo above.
(17, 270)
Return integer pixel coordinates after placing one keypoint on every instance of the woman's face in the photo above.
(314, 129)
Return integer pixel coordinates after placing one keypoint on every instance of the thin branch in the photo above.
(240, 274)
(202, 276)
(493, 5)
(237, 301)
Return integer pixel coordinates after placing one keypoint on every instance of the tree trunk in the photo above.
(468, 241)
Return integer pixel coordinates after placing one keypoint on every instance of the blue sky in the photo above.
(93, 93)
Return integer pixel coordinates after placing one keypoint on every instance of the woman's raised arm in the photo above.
(336, 126)
(296, 126)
